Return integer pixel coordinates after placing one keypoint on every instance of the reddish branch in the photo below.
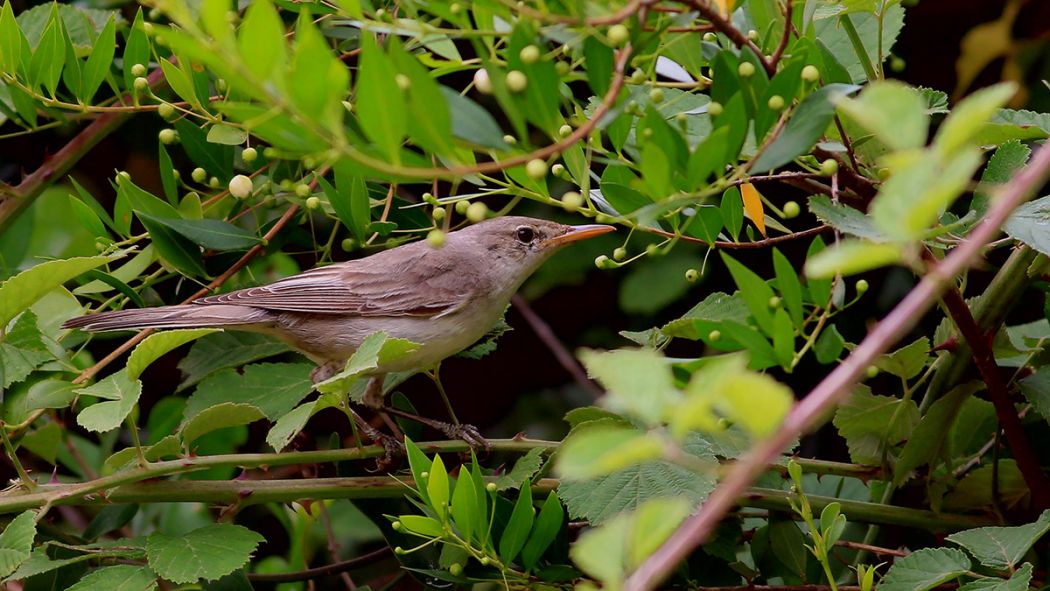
(980, 346)
(815, 407)
(722, 24)
(740, 245)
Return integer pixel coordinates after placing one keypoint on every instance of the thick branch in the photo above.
(1027, 461)
(808, 413)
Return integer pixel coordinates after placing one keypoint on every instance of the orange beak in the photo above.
(578, 233)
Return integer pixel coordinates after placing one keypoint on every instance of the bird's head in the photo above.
(521, 242)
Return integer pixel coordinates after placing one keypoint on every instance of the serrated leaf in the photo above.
(22, 350)
(976, 489)
(220, 416)
(273, 388)
(224, 349)
(638, 382)
(16, 542)
(22, 290)
(844, 218)
(1007, 159)
(377, 349)
(874, 425)
(121, 393)
(707, 315)
(929, 441)
(1030, 223)
(725, 388)
(598, 448)
(207, 553)
(293, 422)
(894, 112)
(966, 119)
(524, 469)
(1018, 581)
(156, 345)
(907, 361)
(1002, 548)
(924, 569)
(121, 577)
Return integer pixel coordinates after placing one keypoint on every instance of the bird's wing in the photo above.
(413, 285)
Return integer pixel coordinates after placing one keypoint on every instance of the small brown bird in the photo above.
(444, 299)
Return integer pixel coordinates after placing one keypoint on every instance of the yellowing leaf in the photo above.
(753, 206)
(725, 6)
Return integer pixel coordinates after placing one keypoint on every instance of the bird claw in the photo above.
(393, 449)
(467, 433)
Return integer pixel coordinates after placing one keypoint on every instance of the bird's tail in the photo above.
(185, 316)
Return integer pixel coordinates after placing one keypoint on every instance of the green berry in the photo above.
(249, 155)
(424, 475)
(692, 275)
(396, 526)
(746, 69)
(482, 81)
(872, 371)
(348, 244)
(775, 102)
(313, 203)
(656, 95)
(714, 108)
(810, 74)
(199, 175)
(271, 153)
(752, 35)
(602, 218)
(166, 111)
(436, 238)
(398, 549)
(240, 186)
(123, 176)
(652, 250)
(141, 84)
(710, 37)
(637, 77)
(791, 210)
(309, 163)
(302, 190)
(167, 136)
(510, 140)
(455, 569)
(618, 34)
(565, 131)
(562, 68)
(620, 254)
(529, 54)
(897, 64)
(829, 167)
(438, 214)
(477, 212)
(517, 81)
(774, 302)
(681, 118)
(714, 335)
(602, 262)
(558, 170)
(175, 172)
(461, 206)
(491, 487)
(403, 82)
(861, 287)
(455, 8)
(571, 201)
(536, 169)
(220, 85)
(213, 182)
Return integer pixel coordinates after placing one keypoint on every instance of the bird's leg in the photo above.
(326, 370)
(373, 398)
(467, 433)
(393, 446)
(436, 376)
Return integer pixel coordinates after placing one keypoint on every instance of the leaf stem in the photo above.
(858, 46)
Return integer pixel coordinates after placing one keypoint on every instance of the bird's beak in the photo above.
(578, 233)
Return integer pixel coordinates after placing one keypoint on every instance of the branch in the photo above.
(322, 571)
(735, 35)
(738, 245)
(544, 332)
(1027, 461)
(810, 412)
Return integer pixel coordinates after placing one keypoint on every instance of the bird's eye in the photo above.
(525, 234)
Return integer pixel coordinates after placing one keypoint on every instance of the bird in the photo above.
(443, 299)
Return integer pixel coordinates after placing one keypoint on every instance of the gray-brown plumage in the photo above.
(443, 299)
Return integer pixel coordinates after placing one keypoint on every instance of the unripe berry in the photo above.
(175, 172)
(536, 169)
(482, 81)
(529, 54)
(455, 569)
(199, 175)
(398, 549)
(692, 275)
(897, 64)
(602, 218)
(438, 214)
(861, 287)
(348, 244)
(620, 254)
(141, 84)
(637, 77)
(558, 170)
(167, 136)
(461, 206)
(810, 74)
(517, 81)
(271, 153)
(240, 186)
(309, 163)
(403, 82)
(872, 371)
(714, 108)
(396, 526)
(571, 201)
(147, 28)
(491, 487)
(618, 34)
(774, 302)
(775, 103)
(752, 35)
(477, 212)
(710, 37)
(220, 85)
(249, 155)
(714, 335)
(302, 190)
(652, 250)
(510, 140)
(829, 167)
(166, 111)
(455, 8)
(746, 69)
(601, 262)
(123, 176)
(562, 68)
(313, 203)
(656, 95)
(565, 131)
(436, 238)
(791, 209)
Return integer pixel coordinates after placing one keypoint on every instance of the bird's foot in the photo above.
(464, 432)
(325, 371)
(393, 448)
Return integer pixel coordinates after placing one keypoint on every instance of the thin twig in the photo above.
(323, 571)
(785, 38)
(808, 413)
(544, 332)
(738, 245)
(734, 34)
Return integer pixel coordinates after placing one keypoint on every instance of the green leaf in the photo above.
(789, 286)
(1007, 159)
(261, 40)
(98, 62)
(438, 487)
(22, 350)
(724, 388)
(209, 233)
(707, 315)
(217, 159)
(293, 422)
(156, 345)
(874, 425)
(1029, 224)
(180, 82)
(220, 416)
(121, 577)
(45, 67)
(273, 388)
(831, 35)
(806, 126)
(432, 122)
(930, 441)
(173, 248)
(228, 135)
(136, 48)
(380, 105)
(16, 542)
(518, 527)
(925, 569)
(377, 349)
(850, 257)
(597, 448)
(466, 513)
(844, 218)
(14, 48)
(471, 123)
(989, 486)
(638, 382)
(894, 112)
(524, 469)
(24, 289)
(318, 82)
(544, 531)
(969, 116)
(829, 345)
(1018, 581)
(1002, 548)
(222, 350)
(908, 361)
(1036, 389)
(207, 553)
(789, 546)
(418, 463)
(653, 287)
(424, 526)
(755, 292)
(121, 393)
(598, 59)
(350, 200)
